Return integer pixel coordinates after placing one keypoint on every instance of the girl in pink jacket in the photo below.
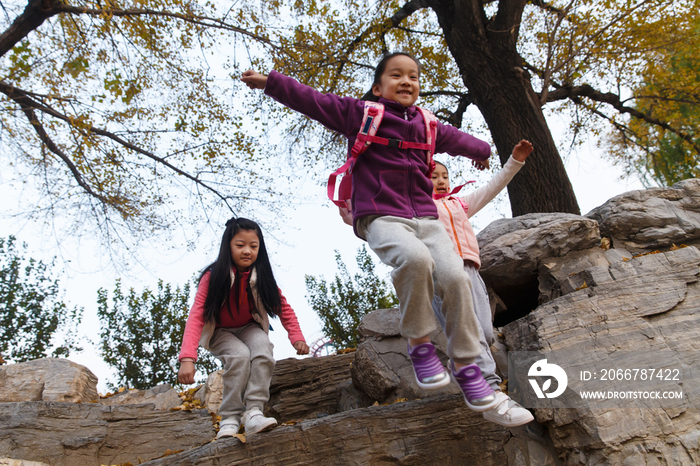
(454, 214)
(229, 317)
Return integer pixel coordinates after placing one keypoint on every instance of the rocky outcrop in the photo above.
(382, 368)
(85, 434)
(513, 252)
(649, 303)
(438, 430)
(50, 379)
(300, 389)
(593, 286)
(162, 397)
(649, 219)
(11, 462)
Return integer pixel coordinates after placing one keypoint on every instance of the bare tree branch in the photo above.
(192, 19)
(575, 92)
(38, 11)
(33, 16)
(456, 117)
(382, 28)
(29, 105)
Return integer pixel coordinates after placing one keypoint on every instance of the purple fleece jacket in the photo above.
(385, 181)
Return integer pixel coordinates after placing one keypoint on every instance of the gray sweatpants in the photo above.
(424, 264)
(246, 353)
(482, 309)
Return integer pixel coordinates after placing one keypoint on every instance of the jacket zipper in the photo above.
(410, 167)
(454, 230)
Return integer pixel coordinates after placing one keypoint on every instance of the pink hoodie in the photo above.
(455, 212)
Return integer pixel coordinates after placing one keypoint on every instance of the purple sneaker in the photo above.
(478, 394)
(430, 373)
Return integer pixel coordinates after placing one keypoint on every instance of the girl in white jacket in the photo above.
(454, 213)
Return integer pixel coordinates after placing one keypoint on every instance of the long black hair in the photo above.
(379, 71)
(220, 278)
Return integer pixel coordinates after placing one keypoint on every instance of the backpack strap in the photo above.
(431, 123)
(371, 119)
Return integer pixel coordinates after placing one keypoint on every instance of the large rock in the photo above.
(649, 303)
(440, 430)
(511, 249)
(49, 379)
(312, 387)
(300, 389)
(11, 462)
(382, 368)
(163, 397)
(87, 434)
(652, 218)
(211, 392)
(512, 253)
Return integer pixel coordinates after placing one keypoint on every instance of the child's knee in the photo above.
(419, 260)
(456, 279)
(263, 349)
(239, 358)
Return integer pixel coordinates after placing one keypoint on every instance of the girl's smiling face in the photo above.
(440, 179)
(244, 249)
(400, 81)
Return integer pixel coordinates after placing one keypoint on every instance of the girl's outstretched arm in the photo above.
(477, 199)
(254, 80)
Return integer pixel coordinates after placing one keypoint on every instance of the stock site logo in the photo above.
(542, 369)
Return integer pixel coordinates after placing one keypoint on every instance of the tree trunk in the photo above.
(491, 69)
(34, 15)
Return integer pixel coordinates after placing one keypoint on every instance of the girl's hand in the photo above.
(186, 373)
(301, 347)
(254, 80)
(522, 150)
(480, 165)
(346, 212)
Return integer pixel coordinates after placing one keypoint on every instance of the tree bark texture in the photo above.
(491, 68)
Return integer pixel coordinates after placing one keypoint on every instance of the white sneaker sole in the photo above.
(511, 423)
(264, 427)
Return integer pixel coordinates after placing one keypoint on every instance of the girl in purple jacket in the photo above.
(393, 210)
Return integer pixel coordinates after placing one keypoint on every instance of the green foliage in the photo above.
(141, 335)
(341, 303)
(670, 92)
(32, 313)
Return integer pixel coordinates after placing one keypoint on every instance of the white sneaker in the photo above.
(507, 412)
(228, 428)
(254, 421)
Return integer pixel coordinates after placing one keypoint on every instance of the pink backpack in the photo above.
(372, 118)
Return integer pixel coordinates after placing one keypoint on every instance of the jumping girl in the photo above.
(394, 212)
(455, 213)
(236, 295)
